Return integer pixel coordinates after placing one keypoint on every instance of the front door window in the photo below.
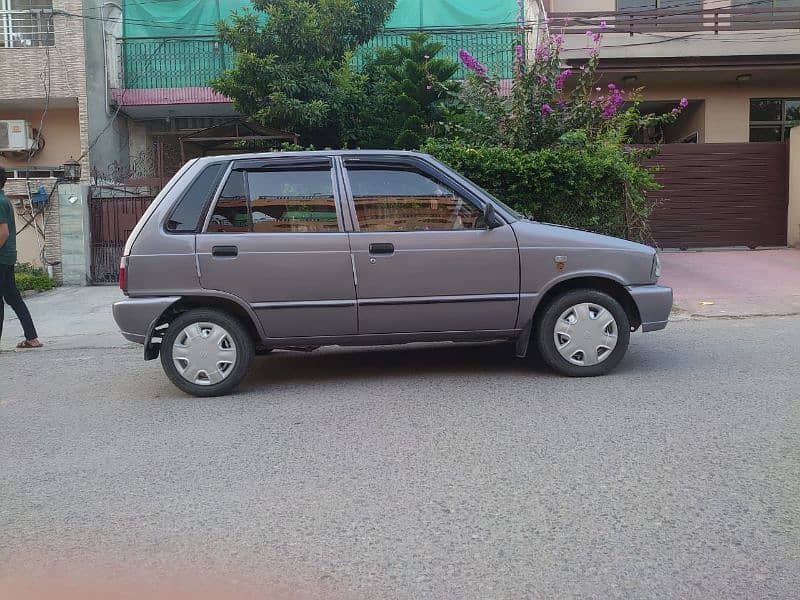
(403, 199)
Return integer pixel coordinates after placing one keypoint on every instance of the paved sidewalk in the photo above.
(734, 283)
(69, 317)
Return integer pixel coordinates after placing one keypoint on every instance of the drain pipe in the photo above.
(103, 20)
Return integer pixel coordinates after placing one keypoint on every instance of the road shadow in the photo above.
(362, 363)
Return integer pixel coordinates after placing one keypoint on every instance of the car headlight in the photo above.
(655, 273)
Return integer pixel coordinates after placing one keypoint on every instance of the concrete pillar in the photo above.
(793, 232)
(73, 202)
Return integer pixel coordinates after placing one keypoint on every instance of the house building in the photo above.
(168, 52)
(43, 115)
(736, 61)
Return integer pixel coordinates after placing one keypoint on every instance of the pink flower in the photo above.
(546, 109)
(595, 37)
(612, 87)
(542, 52)
(520, 53)
(603, 25)
(559, 84)
(472, 63)
(675, 111)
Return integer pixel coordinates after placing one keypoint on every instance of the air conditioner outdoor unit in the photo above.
(16, 136)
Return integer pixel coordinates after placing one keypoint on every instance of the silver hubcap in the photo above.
(585, 334)
(204, 353)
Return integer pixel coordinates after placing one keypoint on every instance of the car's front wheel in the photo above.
(206, 352)
(583, 333)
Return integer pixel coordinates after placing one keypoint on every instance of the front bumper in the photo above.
(136, 316)
(654, 303)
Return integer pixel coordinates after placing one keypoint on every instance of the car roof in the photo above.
(312, 153)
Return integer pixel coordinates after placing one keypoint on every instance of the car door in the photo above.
(275, 238)
(424, 260)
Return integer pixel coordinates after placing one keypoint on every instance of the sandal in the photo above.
(28, 344)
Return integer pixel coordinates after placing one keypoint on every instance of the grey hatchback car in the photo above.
(241, 255)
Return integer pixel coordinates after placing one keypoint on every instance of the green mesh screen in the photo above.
(169, 43)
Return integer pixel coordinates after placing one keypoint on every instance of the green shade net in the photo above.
(169, 43)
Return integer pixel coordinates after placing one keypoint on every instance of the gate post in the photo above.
(793, 233)
(73, 202)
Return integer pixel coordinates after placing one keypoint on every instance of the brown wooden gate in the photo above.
(111, 221)
(717, 195)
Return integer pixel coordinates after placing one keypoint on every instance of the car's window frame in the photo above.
(216, 189)
(414, 163)
(278, 163)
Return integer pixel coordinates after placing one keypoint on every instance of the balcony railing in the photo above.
(716, 20)
(179, 62)
(26, 28)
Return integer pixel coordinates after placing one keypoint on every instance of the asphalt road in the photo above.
(422, 472)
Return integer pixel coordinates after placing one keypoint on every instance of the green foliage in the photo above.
(407, 87)
(576, 184)
(291, 70)
(28, 277)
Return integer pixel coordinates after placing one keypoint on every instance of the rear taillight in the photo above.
(123, 274)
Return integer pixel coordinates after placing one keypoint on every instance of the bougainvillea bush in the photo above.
(557, 145)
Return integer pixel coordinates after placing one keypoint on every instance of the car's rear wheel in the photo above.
(206, 352)
(583, 333)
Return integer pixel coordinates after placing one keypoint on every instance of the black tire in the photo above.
(245, 349)
(544, 331)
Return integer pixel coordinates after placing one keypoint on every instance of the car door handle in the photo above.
(381, 248)
(229, 251)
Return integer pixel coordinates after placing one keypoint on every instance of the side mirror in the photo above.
(490, 219)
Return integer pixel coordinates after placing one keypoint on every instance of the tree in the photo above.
(292, 61)
(407, 89)
(559, 145)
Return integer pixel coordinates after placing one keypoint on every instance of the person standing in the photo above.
(8, 258)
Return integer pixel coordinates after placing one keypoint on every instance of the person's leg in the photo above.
(14, 299)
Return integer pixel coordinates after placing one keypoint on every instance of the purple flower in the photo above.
(472, 63)
(675, 111)
(595, 37)
(558, 40)
(603, 25)
(559, 84)
(546, 109)
(542, 52)
(520, 53)
(684, 103)
(612, 87)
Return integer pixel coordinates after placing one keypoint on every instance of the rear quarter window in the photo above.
(190, 209)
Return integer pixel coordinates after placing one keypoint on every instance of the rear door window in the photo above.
(190, 209)
(296, 198)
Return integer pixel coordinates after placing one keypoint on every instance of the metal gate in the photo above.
(717, 195)
(112, 220)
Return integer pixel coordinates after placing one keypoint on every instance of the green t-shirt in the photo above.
(8, 251)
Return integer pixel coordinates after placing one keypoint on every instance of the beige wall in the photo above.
(62, 135)
(794, 188)
(726, 114)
